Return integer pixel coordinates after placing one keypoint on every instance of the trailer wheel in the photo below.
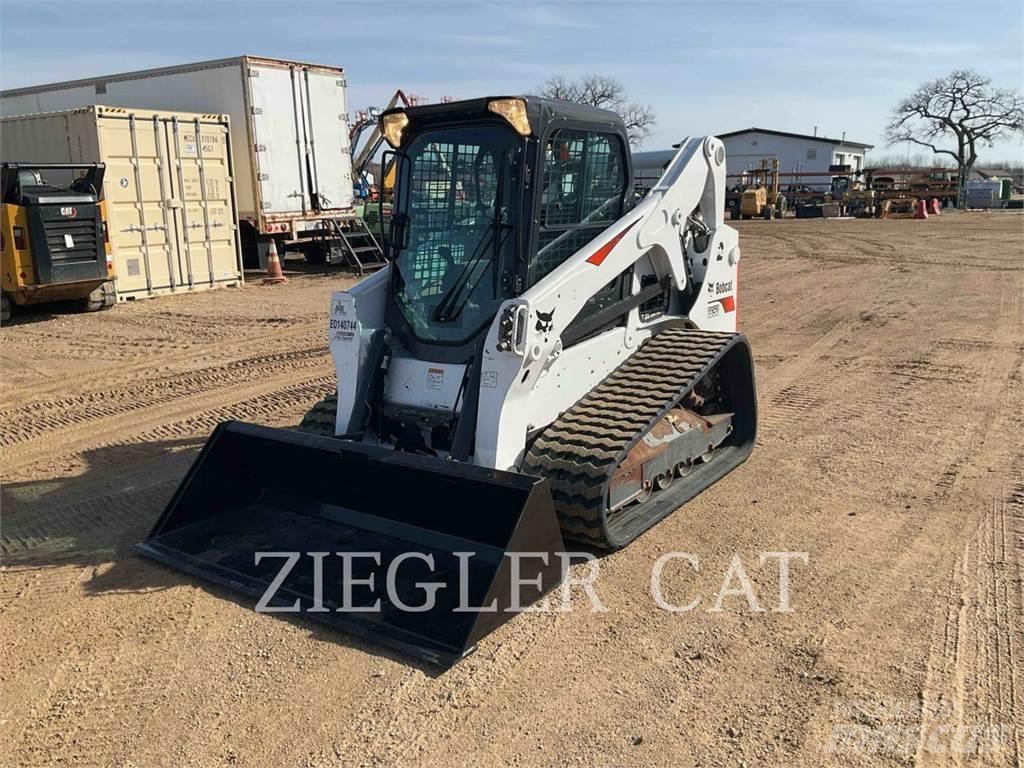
(315, 253)
(102, 297)
(5, 308)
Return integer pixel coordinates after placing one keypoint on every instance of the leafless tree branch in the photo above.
(606, 93)
(962, 107)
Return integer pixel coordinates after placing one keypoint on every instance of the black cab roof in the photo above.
(542, 113)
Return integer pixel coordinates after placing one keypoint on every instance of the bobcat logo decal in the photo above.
(544, 321)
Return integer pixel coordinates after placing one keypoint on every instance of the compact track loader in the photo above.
(543, 357)
(53, 237)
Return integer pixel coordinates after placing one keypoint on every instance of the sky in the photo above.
(703, 67)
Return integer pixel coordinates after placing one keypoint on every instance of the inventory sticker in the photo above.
(489, 379)
(435, 378)
(344, 330)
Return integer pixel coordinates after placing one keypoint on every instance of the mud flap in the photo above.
(256, 490)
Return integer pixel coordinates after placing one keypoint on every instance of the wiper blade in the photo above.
(447, 310)
(444, 312)
(452, 313)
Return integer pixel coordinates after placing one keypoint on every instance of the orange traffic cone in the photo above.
(274, 273)
(921, 209)
(934, 207)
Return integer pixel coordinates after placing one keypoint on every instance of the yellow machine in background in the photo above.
(753, 202)
(53, 236)
(761, 198)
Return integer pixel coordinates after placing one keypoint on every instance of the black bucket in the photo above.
(260, 490)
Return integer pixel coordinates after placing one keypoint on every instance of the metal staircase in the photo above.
(353, 246)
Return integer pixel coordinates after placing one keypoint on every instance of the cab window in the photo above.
(581, 194)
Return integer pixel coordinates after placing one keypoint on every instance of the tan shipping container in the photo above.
(169, 187)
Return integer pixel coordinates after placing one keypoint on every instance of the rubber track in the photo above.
(579, 451)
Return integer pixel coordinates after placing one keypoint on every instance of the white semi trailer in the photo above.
(289, 129)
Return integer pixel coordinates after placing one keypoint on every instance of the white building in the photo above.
(797, 152)
(744, 150)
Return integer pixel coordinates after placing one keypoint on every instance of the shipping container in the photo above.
(289, 128)
(171, 215)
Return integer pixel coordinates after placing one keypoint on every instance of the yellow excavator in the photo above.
(53, 236)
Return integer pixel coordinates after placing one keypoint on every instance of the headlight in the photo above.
(514, 111)
(391, 125)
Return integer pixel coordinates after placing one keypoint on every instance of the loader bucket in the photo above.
(258, 490)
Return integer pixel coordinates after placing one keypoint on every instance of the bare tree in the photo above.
(607, 93)
(962, 107)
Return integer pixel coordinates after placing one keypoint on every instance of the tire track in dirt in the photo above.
(49, 416)
(102, 523)
(259, 400)
(972, 709)
(812, 396)
(972, 698)
(98, 360)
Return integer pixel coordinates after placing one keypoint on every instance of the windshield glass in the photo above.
(458, 197)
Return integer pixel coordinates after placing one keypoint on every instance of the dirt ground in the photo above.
(890, 369)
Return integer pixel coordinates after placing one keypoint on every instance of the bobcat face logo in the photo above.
(544, 321)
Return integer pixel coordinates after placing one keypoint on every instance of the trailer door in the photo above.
(276, 118)
(326, 126)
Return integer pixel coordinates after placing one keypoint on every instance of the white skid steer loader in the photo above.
(543, 357)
